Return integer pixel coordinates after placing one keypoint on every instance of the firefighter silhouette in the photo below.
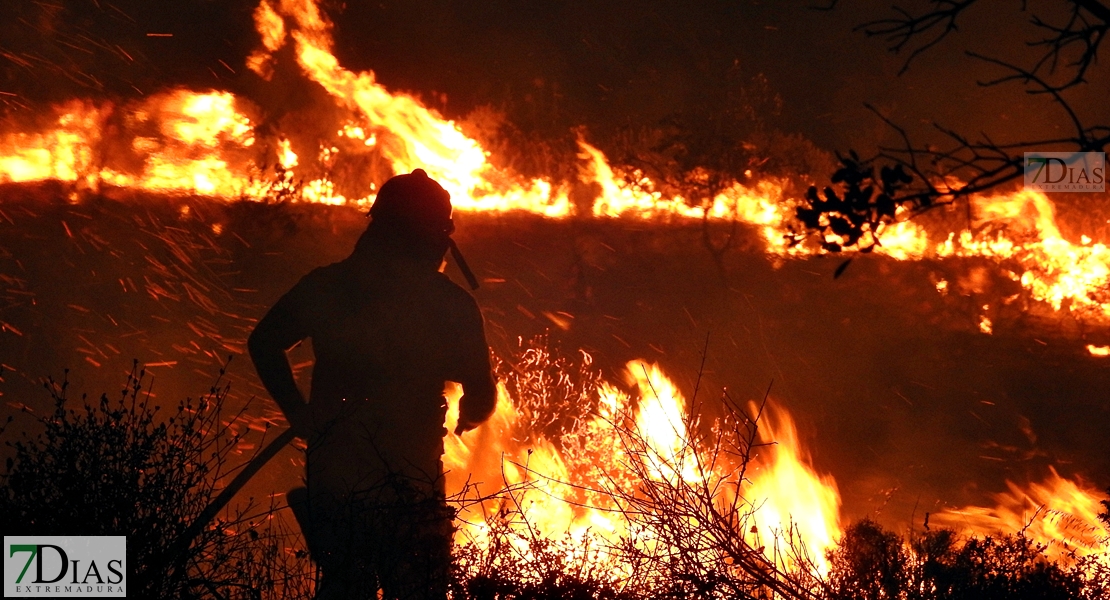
(388, 329)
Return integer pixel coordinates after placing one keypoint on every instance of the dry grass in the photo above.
(119, 467)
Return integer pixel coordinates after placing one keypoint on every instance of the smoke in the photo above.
(896, 391)
(608, 65)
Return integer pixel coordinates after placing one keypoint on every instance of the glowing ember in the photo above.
(985, 325)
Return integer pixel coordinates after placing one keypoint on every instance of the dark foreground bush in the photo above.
(537, 569)
(118, 467)
(873, 564)
(1104, 516)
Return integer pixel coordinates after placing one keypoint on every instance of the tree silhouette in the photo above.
(916, 177)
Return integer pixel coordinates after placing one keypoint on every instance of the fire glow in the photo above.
(628, 445)
(205, 143)
(789, 510)
(1060, 513)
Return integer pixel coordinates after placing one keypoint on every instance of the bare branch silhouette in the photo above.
(914, 177)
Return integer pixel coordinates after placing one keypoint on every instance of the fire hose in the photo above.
(220, 501)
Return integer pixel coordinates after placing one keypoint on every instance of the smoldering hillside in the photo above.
(897, 392)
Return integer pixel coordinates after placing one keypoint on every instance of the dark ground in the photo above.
(899, 395)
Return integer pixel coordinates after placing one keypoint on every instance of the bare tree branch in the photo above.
(900, 31)
(1078, 31)
(915, 178)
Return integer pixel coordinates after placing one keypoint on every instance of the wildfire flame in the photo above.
(630, 440)
(62, 153)
(1059, 513)
(203, 143)
(206, 143)
(799, 501)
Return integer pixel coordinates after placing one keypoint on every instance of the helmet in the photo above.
(414, 205)
(413, 213)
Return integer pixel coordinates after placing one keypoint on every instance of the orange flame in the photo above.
(581, 493)
(193, 143)
(63, 153)
(1020, 232)
(800, 503)
(1061, 514)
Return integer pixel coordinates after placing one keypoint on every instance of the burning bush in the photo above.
(655, 504)
(118, 468)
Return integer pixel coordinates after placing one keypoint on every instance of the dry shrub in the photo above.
(871, 563)
(686, 537)
(117, 467)
(526, 567)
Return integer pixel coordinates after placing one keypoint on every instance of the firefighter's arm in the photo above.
(474, 372)
(277, 332)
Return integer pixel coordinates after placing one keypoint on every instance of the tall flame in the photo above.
(628, 444)
(799, 501)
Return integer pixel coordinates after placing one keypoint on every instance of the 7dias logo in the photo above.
(50, 566)
(1065, 171)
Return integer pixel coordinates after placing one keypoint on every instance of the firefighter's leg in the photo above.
(415, 548)
(299, 504)
(332, 543)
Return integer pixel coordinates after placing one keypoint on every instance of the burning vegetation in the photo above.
(632, 497)
(590, 480)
